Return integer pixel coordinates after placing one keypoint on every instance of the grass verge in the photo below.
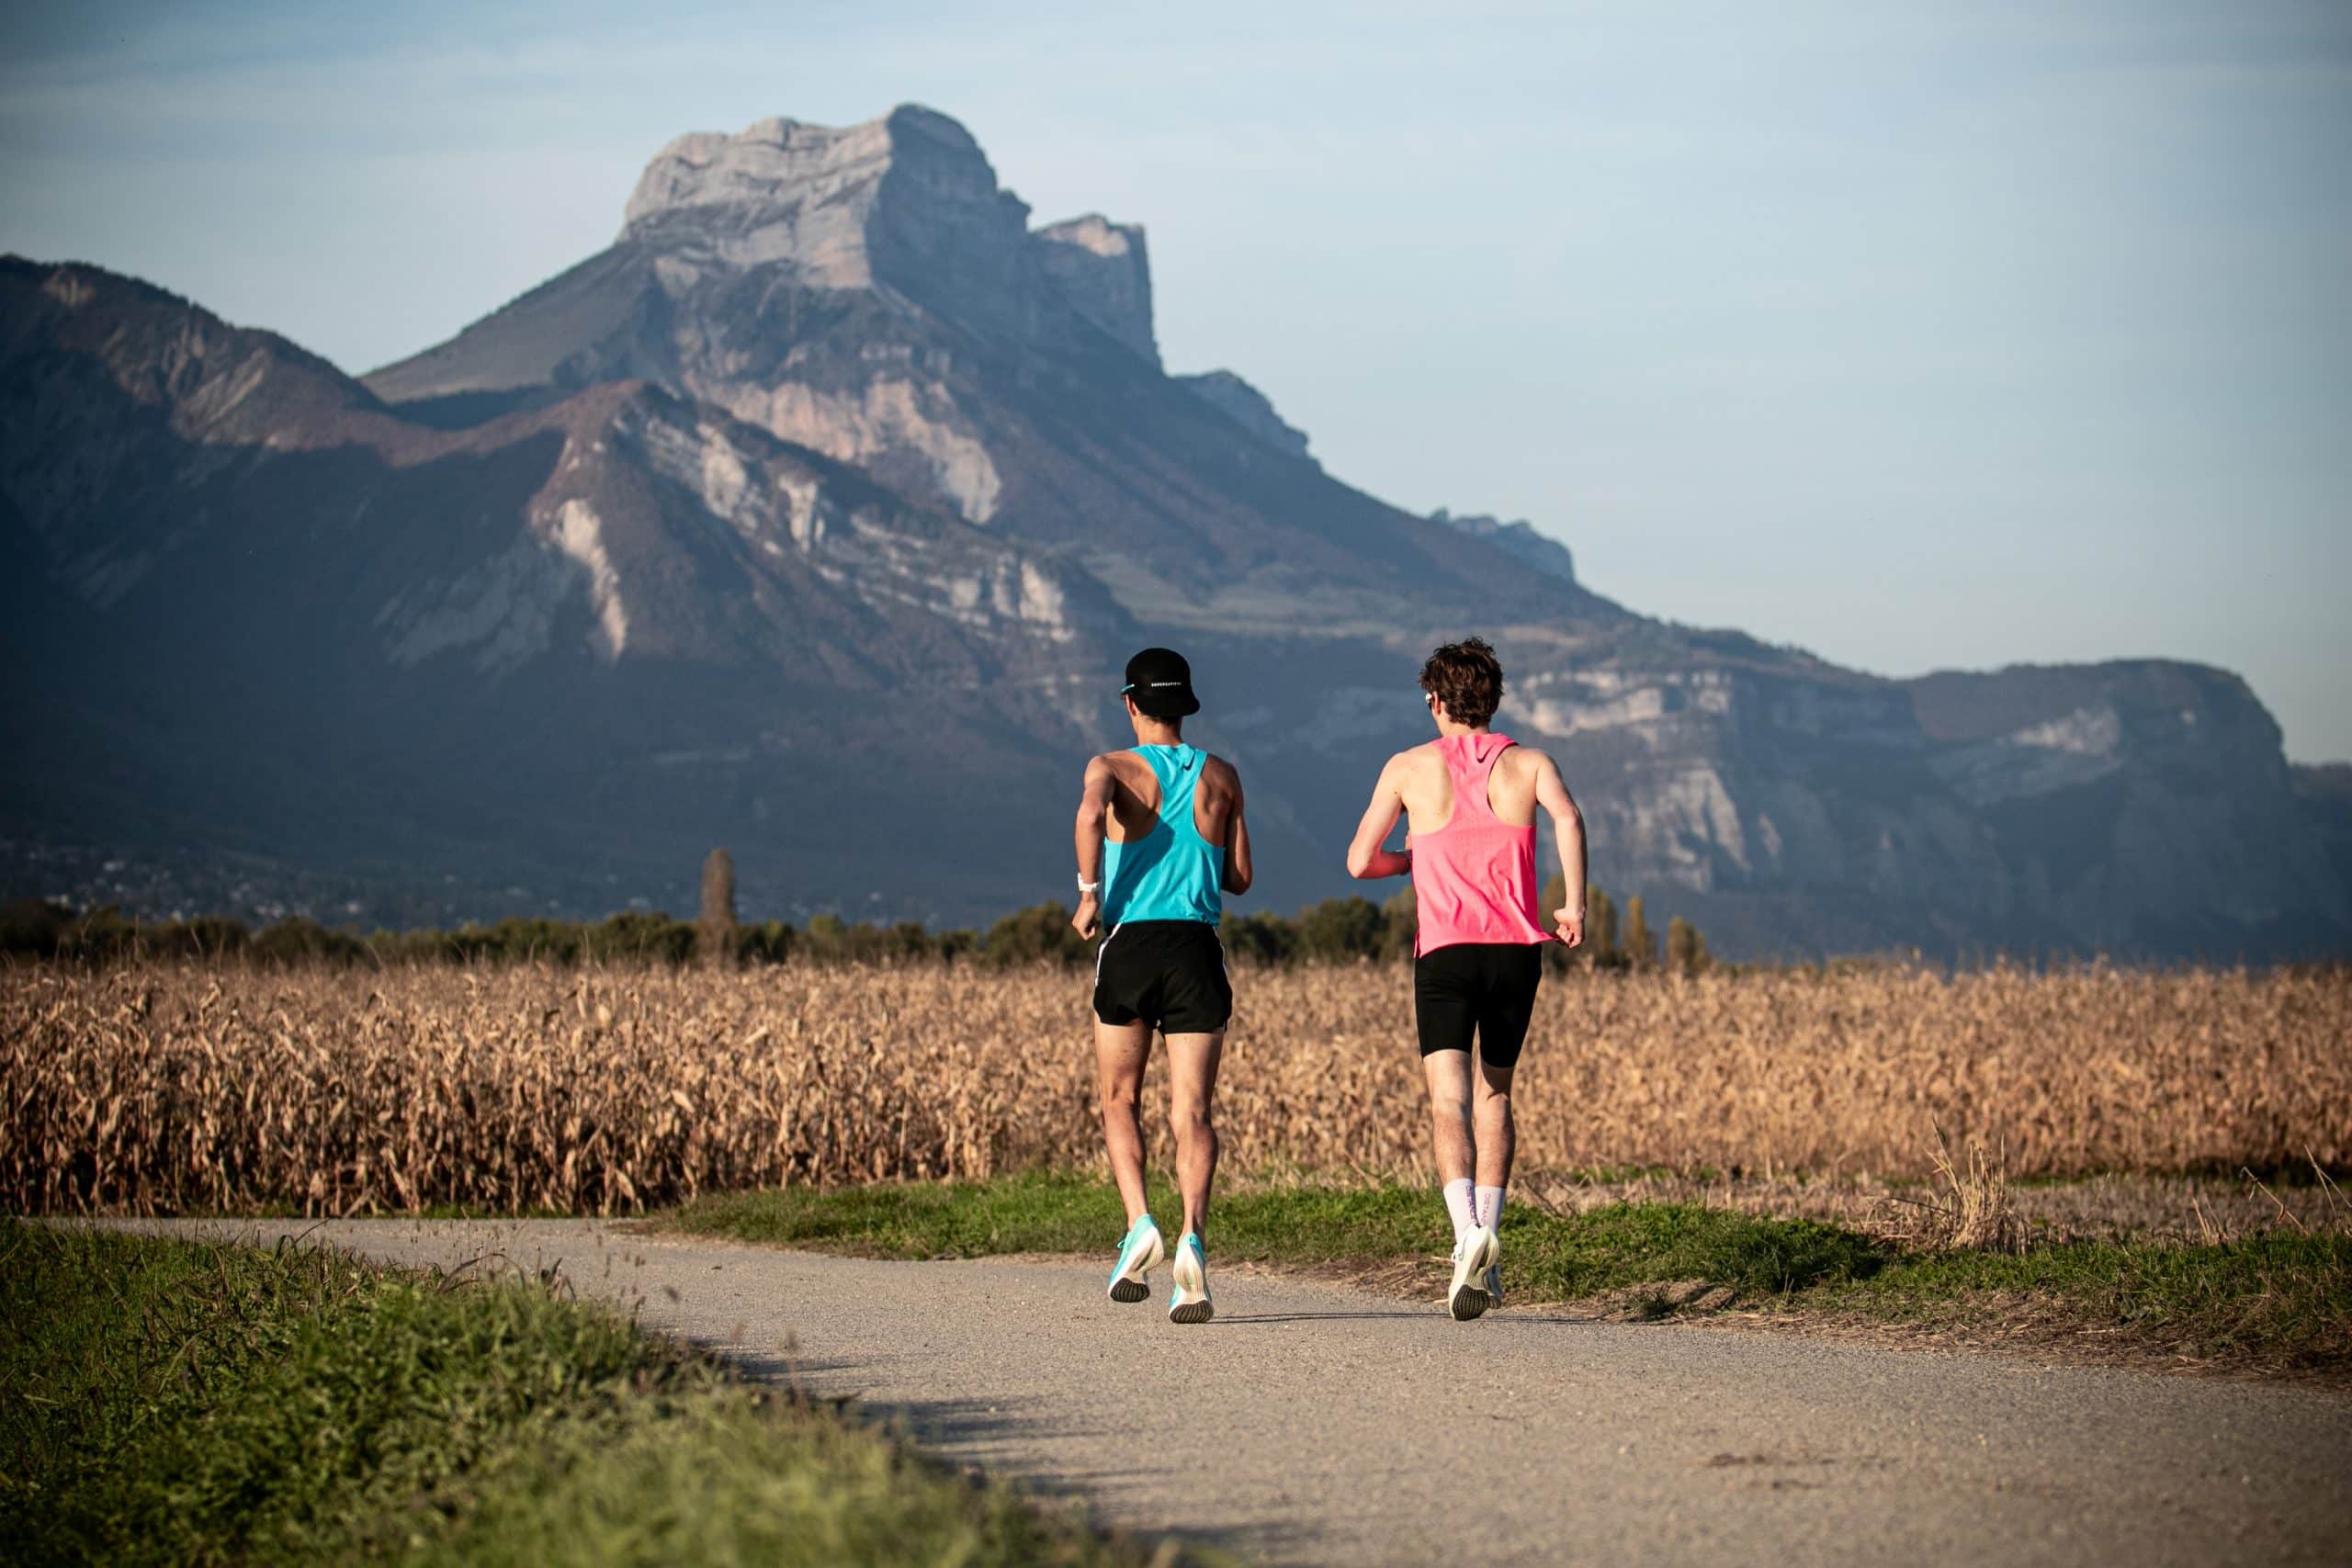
(177, 1401)
(2279, 1303)
(1614, 1249)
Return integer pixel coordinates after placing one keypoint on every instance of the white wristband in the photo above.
(1086, 886)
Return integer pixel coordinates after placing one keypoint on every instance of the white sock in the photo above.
(1490, 1206)
(1463, 1206)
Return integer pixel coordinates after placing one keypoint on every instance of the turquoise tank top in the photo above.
(1171, 873)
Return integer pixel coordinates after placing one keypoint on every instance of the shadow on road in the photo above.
(1112, 1449)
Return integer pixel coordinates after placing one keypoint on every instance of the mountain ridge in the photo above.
(752, 529)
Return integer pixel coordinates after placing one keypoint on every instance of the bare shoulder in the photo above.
(1413, 761)
(1118, 766)
(1537, 769)
(1530, 760)
(1411, 773)
(1220, 772)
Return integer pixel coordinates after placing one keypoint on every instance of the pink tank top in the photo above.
(1474, 879)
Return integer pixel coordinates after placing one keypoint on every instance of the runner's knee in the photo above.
(1189, 1118)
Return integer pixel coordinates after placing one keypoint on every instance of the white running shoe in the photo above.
(1473, 1256)
(1139, 1254)
(1494, 1284)
(1189, 1302)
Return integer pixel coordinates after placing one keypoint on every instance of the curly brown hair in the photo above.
(1467, 678)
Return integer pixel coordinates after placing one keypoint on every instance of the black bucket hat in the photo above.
(1162, 684)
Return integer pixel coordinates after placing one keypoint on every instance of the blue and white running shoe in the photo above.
(1494, 1286)
(1189, 1302)
(1139, 1254)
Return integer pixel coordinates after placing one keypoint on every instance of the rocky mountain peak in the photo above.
(773, 165)
(779, 191)
(907, 202)
(1101, 269)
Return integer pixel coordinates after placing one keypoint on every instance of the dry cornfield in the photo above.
(159, 1089)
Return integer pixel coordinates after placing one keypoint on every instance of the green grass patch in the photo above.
(1550, 1259)
(176, 1401)
(2277, 1303)
(2280, 1301)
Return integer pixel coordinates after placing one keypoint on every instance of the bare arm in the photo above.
(1367, 857)
(1567, 833)
(1238, 871)
(1093, 811)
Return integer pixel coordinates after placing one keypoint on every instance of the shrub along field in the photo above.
(1333, 930)
(154, 1087)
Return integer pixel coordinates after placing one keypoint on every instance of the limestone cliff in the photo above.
(1101, 269)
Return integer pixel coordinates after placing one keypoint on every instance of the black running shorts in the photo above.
(1483, 986)
(1167, 973)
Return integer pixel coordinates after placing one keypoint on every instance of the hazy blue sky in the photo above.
(1920, 336)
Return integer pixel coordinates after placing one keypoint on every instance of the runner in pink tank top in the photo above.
(1472, 796)
(1474, 879)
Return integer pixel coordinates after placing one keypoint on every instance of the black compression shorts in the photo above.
(1167, 973)
(1487, 987)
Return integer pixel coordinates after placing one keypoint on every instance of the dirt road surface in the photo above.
(1313, 1422)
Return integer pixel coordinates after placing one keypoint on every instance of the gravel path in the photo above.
(1314, 1423)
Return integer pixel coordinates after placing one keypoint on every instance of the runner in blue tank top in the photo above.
(1160, 840)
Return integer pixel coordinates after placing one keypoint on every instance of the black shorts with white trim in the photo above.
(1166, 974)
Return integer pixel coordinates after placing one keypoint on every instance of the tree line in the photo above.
(1337, 929)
